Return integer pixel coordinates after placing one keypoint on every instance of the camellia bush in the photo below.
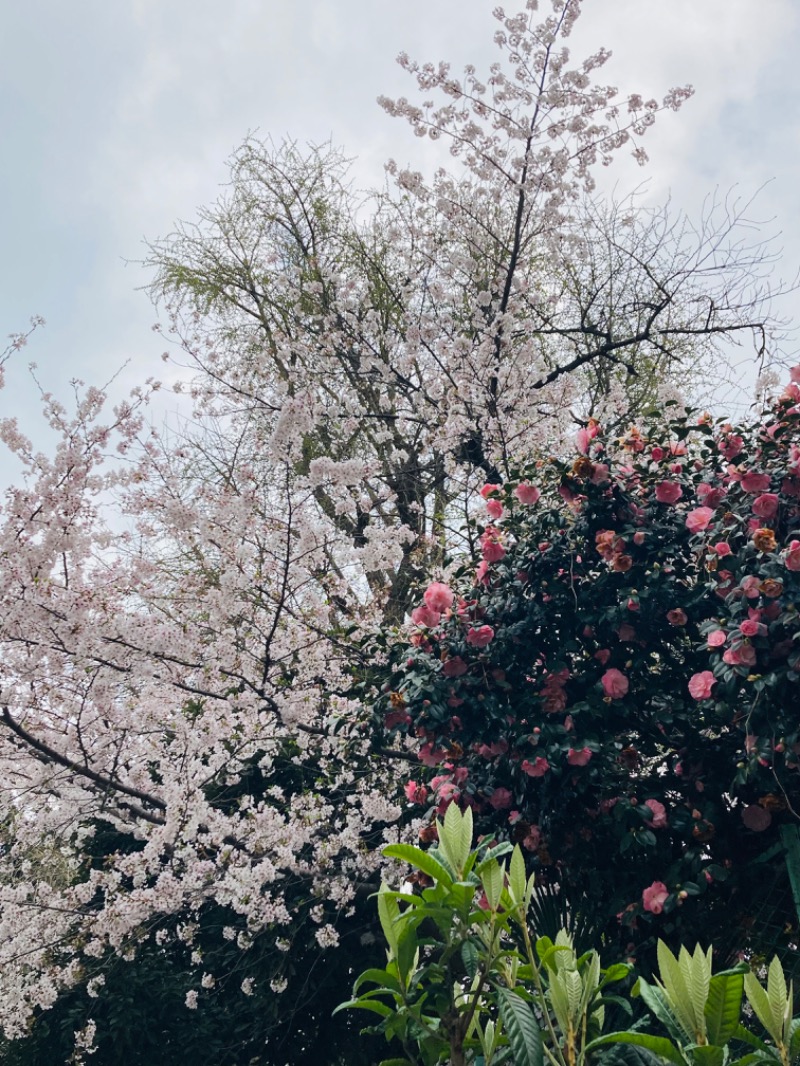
(614, 683)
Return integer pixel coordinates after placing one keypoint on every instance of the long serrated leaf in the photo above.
(388, 913)
(759, 1001)
(591, 981)
(524, 1035)
(574, 987)
(659, 1045)
(516, 875)
(657, 1003)
(794, 1038)
(698, 966)
(724, 1007)
(492, 880)
(675, 990)
(469, 956)
(423, 860)
(559, 1001)
(777, 995)
(746, 1037)
(455, 837)
(707, 1055)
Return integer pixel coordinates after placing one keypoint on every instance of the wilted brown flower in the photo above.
(771, 588)
(764, 540)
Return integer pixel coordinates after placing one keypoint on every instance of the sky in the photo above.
(118, 117)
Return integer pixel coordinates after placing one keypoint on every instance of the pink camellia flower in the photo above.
(480, 637)
(578, 758)
(626, 632)
(424, 616)
(722, 548)
(615, 683)
(677, 617)
(731, 446)
(490, 490)
(792, 558)
(600, 473)
(416, 793)
(659, 819)
(754, 483)
(495, 508)
(716, 638)
(668, 492)
(794, 374)
(438, 597)
(700, 685)
(657, 454)
(537, 768)
(766, 505)
(751, 627)
(430, 756)
(654, 897)
(454, 667)
(491, 548)
(751, 587)
(698, 519)
(744, 655)
(500, 799)
(602, 655)
(527, 494)
(584, 437)
(482, 573)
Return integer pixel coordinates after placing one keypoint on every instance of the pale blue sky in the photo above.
(118, 115)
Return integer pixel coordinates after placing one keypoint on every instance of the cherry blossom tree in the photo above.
(183, 616)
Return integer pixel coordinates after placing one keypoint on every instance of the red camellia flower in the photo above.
(615, 683)
(537, 768)
(579, 757)
(700, 685)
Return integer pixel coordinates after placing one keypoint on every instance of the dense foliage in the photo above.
(616, 684)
